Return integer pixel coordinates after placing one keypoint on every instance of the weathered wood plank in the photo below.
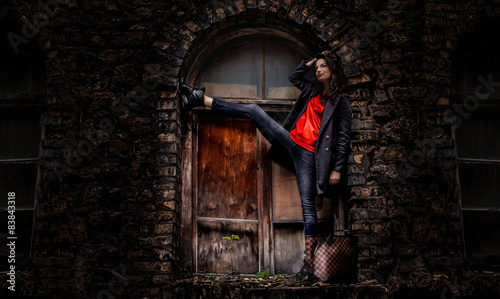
(227, 168)
(211, 248)
(288, 247)
(286, 198)
(187, 198)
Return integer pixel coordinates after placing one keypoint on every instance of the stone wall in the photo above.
(107, 218)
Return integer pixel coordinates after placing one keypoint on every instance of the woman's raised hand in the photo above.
(312, 61)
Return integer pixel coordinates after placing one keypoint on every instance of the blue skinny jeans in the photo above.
(302, 158)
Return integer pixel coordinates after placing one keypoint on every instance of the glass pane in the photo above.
(19, 134)
(479, 134)
(21, 179)
(482, 235)
(24, 224)
(280, 62)
(467, 75)
(235, 73)
(479, 184)
(478, 55)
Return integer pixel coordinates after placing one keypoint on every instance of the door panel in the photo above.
(288, 247)
(212, 254)
(286, 198)
(227, 168)
(227, 195)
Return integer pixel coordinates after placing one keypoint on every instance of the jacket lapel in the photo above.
(327, 114)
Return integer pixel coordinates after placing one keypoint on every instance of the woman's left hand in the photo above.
(334, 178)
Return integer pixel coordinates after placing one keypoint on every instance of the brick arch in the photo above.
(313, 27)
(189, 28)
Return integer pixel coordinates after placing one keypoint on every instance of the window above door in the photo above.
(256, 70)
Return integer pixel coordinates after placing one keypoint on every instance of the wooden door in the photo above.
(226, 196)
(232, 188)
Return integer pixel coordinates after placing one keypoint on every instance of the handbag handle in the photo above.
(329, 239)
(346, 231)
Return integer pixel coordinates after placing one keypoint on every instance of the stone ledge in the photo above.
(472, 284)
(284, 287)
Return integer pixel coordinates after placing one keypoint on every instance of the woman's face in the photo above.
(323, 72)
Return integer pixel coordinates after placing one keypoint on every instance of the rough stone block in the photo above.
(169, 171)
(365, 136)
(169, 196)
(355, 157)
(164, 228)
(356, 168)
(356, 180)
(390, 55)
(150, 267)
(52, 153)
(363, 124)
(389, 74)
(52, 120)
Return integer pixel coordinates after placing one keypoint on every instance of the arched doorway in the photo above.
(230, 187)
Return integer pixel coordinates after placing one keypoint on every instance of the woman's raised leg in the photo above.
(270, 129)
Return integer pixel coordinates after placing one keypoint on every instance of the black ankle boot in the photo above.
(191, 97)
(304, 272)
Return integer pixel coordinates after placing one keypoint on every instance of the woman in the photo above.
(315, 135)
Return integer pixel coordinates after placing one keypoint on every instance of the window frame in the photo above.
(32, 102)
(474, 263)
(33, 99)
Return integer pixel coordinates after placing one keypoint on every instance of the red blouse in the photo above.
(307, 127)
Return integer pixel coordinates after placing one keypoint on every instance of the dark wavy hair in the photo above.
(338, 81)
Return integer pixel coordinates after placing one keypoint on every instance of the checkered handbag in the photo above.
(336, 259)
